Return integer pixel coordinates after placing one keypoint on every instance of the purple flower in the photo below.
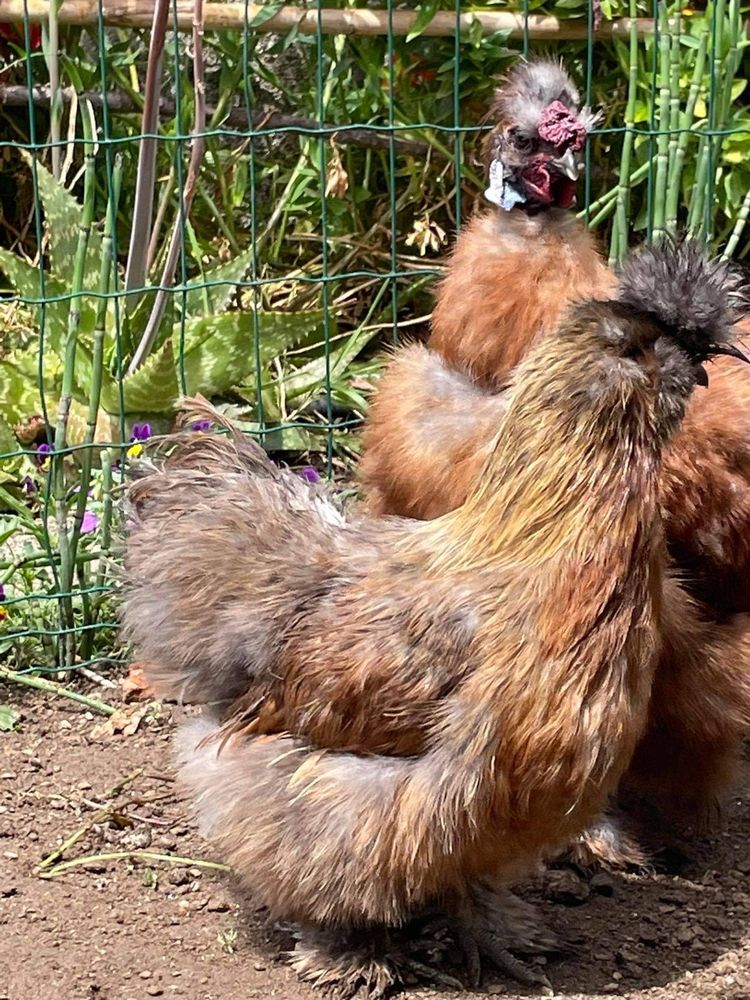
(28, 485)
(309, 474)
(201, 425)
(89, 523)
(2, 593)
(43, 452)
(140, 432)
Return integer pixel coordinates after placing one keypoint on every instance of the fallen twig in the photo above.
(172, 859)
(102, 814)
(28, 680)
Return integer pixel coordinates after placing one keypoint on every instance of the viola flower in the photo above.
(309, 474)
(201, 425)
(140, 432)
(89, 523)
(28, 485)
(42, 455)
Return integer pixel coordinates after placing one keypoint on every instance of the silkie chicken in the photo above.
(432, 424)
(401, 716)
(513, 272)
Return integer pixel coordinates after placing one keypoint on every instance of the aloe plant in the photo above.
(203, 347)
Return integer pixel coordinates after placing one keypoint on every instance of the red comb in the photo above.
(561, 128)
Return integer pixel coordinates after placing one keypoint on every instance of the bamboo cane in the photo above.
(268, 19)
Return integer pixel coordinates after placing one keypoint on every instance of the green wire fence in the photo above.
(249, 201)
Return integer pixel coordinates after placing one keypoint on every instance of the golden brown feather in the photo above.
(414, 723)
(433, 416)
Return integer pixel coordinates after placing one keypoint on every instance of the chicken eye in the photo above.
(520, 141)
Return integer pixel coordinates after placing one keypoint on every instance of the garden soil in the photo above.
(131, 928)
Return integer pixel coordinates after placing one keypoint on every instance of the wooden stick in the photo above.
(231, 17)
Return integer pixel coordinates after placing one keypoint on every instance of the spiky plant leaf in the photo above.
(62, 218)
(25, 280)
(220, 351)
(221, 282)
(152, 389)
(311, 377)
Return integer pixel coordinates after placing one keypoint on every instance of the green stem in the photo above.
(695, 216)
(53, 66)
(674, 120)
(97, 364)
(619, 241)
(677, 166)
(105, 528)
(40, 684)
(609, 198)
(739, 227)
(66, 397)
(662, 145)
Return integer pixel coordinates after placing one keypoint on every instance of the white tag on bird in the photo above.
(500, 193)
(494, 192)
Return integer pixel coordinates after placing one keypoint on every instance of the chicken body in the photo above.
(433, 417)
(429, 432)
(411, 707)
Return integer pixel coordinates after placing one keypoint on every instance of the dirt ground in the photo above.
(133, 927)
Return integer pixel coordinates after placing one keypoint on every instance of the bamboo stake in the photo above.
(231, 17)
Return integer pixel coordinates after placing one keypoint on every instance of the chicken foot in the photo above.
(492, 925)
(367, 962)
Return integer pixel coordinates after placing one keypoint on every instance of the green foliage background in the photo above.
(307, 248)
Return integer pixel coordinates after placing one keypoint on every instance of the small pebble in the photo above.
(217, 905)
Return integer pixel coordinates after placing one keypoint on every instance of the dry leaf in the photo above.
(337, 179)
(135, 687)
(426, 235)
(124, 721)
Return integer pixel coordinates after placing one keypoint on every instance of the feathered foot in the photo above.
(493, 925)
(607, 844)
(365, 962)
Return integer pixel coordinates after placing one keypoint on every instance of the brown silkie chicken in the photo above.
(401, 715)
(514, 271)
(432, 424)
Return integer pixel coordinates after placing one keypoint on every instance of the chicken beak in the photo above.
(567, 165)
(731, 351)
